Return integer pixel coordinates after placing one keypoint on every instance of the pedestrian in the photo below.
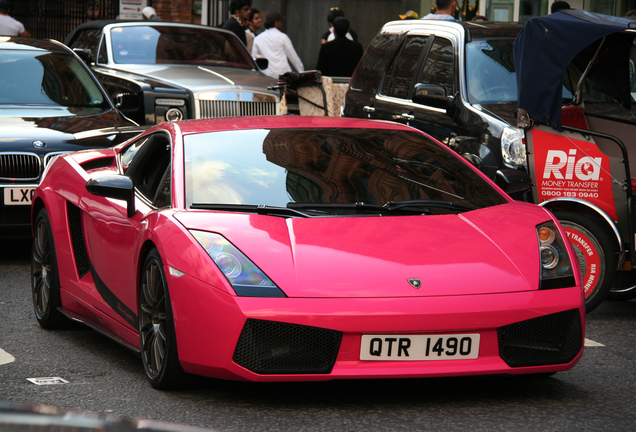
(276, 47)
(409, 15)
(254, 23)
(8, 25)
(334, 13)
(446, 11)
(340, 56)
(559, 5)
(237, 22)
(149, 14)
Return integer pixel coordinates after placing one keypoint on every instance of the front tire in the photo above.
(595, 254)
(45, 281)
(156, 327)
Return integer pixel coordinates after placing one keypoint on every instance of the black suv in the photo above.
(453, 80)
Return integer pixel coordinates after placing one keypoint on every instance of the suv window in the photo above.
(399, 78)
(374, 62)
(439, 66)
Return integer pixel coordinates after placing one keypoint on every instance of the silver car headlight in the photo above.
(556, 268)
(246, 278)
(513, 146)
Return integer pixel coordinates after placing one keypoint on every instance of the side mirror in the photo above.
(84, 54)
(116, 187)
(262, 63)
(126, 102)
(432, 95)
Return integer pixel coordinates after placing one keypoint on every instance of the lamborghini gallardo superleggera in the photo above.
(302, 248)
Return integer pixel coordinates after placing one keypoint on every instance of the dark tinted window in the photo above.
(336, 166)
(439, 66)
(399, 78)
(374, 61)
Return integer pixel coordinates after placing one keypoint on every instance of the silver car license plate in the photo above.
(420, 347)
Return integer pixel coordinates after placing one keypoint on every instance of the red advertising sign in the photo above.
(570, 168)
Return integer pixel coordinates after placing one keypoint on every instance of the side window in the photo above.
(127, 156)
(399, 78)
(439, 66)
(87, 39)
(149, 168)
(374, 61)
(103, 52)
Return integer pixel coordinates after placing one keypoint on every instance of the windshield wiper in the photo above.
(417, 206)
(252, 208)
(419, 203)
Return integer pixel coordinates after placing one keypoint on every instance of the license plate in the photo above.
(18, 196)
(420, 347)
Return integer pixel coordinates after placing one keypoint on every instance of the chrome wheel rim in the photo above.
(42, 266)
(152, 320)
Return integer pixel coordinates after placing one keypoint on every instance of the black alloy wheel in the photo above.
(156, 327)
(45, 281)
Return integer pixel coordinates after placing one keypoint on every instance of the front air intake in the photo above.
(550, 339)
(269, 347)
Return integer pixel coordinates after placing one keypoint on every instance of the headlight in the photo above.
(174, 114)
(556, 268)
(513, 146)
(244, 276)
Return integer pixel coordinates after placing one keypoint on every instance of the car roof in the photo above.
(99, 24)
(23, 43)
(472, 29)
(275, 122)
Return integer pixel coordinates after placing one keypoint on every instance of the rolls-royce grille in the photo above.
(223, 108)
(19, 166)
(550, 339)
(269, 347)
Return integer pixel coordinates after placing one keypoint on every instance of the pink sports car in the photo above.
(300, 248)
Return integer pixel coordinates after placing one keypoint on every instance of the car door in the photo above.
(114, 239)
(438, 67)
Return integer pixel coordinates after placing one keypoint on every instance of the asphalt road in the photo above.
(599, 394)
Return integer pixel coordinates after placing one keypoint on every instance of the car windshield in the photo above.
(43, 78)
(170, 44)
(490, 71)
(328, 166)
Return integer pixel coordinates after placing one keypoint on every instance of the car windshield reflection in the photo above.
(170, 44)
(63, 81)
(330, 166)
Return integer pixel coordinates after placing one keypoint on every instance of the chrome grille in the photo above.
(19, 166)
(223, 108)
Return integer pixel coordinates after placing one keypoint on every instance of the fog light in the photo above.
(174, 114)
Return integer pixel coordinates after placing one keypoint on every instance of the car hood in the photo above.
(60, 131)
(493, 250)
(198, 78)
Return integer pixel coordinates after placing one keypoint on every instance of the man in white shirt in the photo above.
(276, 47)
(8, 25)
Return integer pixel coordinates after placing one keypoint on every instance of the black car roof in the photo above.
(98, 24)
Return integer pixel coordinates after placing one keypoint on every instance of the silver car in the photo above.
(164, 71)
